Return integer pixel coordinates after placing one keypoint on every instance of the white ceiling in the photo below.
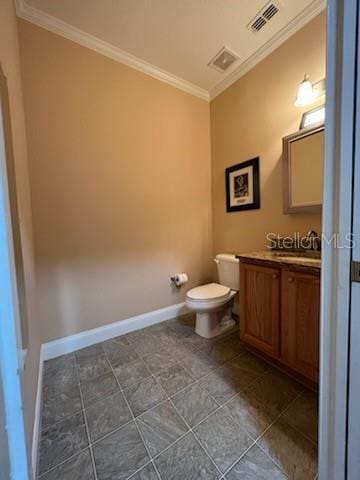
(176, 37)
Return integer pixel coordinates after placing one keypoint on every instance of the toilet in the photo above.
(213, 302)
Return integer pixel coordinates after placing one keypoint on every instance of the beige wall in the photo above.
(249, 119)
(9, 59)
(120, 181)
(120, 176)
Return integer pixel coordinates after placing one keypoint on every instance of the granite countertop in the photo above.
(310, 262)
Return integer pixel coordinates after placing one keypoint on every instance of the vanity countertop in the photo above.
(306, 263)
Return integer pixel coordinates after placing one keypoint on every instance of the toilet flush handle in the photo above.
(216, 260)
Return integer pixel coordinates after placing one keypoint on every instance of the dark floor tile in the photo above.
(196, 342)
(198, 364)
(167, 338)
(119, 354)
(131, 373)
(156, 328)
(107, 415)
(119, 455)
(234, 341)
(92, 351)
(119, 341)
(144, 395)
(276, 390)
(92, 367)
(245, 367)
(59, 373)
(159, 360)
(255, 465)
(147, 345)
(221, 351)
(160, 427)
(186, 460)
(179, 351)
(174, 379)
(137, 335)
(59, 364)
(61, 441)
(58, 405)
(183, 323)
(224, 440)
(253, 415)
(99, 388)
(221, 386)
(194, 404)
(146, 473)
(234, 338)
(79, 468)
(296, 455)
(303, 415)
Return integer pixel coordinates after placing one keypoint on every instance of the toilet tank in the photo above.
(228, 270)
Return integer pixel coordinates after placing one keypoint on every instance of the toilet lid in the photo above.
(210, 291)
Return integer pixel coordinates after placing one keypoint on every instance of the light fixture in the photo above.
(306, 94)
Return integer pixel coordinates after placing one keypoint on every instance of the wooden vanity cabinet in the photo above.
(300, 318)
(280, 316)
(260, 307)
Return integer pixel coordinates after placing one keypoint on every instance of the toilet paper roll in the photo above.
(179, 279)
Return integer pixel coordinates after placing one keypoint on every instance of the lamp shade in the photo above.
(306, 94)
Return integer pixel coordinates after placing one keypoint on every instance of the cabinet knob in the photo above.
(290, 279)
(275, 275)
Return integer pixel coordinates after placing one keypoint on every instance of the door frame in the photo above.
(353, 450)
(342, 26)
(10, 330)
(336, 284)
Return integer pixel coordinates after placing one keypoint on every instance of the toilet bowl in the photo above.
(213, 302)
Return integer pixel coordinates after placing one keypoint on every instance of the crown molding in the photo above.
(310, 12)
(69, 32)
(66, 30)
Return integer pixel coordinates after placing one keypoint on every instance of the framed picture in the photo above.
(313, 117)
(243, 186)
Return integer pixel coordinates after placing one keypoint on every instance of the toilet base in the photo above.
(212, 324)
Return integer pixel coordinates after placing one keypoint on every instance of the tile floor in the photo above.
(164, 403)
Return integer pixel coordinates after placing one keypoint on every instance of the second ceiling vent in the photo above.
(263, 17)
(223, 60)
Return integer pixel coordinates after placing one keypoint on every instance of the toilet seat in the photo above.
(208, 292)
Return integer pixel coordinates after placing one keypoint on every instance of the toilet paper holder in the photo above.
(179, 279)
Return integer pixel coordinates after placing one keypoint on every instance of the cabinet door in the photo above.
(259, 307)
(300, 318)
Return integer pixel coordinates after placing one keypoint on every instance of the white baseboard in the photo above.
(72, 343)
(37, 418)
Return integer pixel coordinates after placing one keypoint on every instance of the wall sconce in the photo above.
(308, 92)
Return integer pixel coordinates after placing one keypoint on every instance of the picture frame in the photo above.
(243, 186)
(313, 117)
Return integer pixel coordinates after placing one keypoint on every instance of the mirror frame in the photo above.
(286, 159)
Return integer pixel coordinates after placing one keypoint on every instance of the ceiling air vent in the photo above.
(263, 17)
(223, 60)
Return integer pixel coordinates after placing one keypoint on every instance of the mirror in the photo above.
(303, 157)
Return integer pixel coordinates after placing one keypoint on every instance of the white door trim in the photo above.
(9, 328)
(337, 219)
(353, 451)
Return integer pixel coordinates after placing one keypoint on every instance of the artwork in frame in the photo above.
(243, 186)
